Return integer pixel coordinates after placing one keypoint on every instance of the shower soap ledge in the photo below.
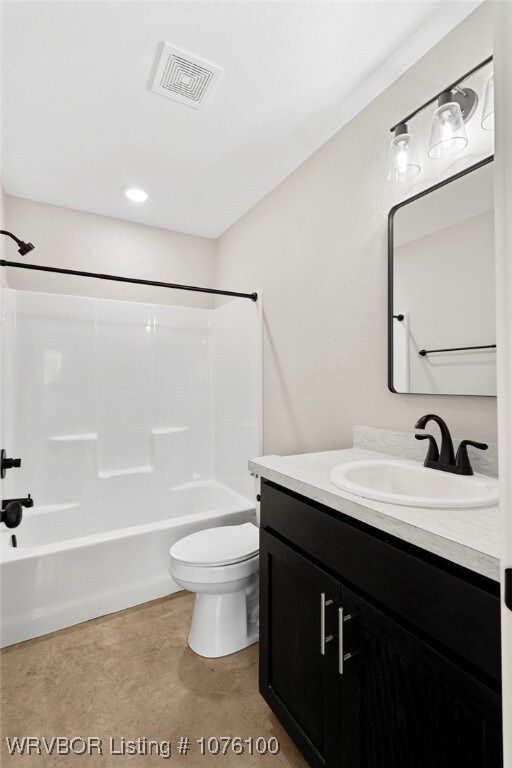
(168, 430)
(77, 438)
(129, 471)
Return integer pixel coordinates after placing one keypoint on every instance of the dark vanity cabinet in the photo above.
(373, 653)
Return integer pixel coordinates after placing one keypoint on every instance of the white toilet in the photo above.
(221, 566)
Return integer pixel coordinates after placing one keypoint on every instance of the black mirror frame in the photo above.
(391, 217)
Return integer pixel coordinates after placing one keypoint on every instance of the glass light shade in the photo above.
(448, 135)
(488, 110)
(402, 163)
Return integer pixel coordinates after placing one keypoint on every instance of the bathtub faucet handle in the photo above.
(6, 463)
(12, 510)
(11, 514)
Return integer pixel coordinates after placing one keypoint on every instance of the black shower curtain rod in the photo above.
(119, 279)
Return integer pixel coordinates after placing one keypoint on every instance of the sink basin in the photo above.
(410, 484)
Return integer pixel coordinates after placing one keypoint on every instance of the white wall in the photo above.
(85, 241)
(3, 225)
(2, 219)
(316, 246)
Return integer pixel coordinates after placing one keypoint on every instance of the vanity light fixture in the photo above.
(455, 106)
(135, 195)
(488, 110)
(403, 163)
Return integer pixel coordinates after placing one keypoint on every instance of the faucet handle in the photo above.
(462, 461)
(433, 450)
(11, 514)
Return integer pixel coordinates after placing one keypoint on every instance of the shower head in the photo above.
(24, 248)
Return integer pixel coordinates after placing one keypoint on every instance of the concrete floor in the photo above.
(131, 675)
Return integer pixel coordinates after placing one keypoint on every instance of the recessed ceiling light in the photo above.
(136, 195)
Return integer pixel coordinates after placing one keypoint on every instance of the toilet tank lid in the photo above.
(223, 545)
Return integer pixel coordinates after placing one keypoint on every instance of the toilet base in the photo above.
(224, 624)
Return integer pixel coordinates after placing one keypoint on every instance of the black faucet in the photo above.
(445, 460)
(447, 454)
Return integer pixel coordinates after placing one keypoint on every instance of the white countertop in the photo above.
(469, 537)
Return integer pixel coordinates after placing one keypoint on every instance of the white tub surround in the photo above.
(468, 537)
(120, 412)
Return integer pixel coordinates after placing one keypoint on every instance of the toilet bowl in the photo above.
(221, 566)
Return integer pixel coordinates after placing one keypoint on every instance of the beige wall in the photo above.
(3, 225)
(316, 246)
(2, 207)
(85, 241)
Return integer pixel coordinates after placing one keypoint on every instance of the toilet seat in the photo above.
(217, 547)
(214, 574)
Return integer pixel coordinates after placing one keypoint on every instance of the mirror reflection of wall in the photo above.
(443, 285)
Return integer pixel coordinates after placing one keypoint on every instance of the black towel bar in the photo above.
(424, 352)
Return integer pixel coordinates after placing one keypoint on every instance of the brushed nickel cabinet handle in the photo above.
(323, 639)
(342, 656)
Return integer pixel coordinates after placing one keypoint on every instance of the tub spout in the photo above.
(27, 502)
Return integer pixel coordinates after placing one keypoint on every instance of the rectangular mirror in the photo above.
(442, 317)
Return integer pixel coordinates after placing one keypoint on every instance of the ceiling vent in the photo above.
(182, 77)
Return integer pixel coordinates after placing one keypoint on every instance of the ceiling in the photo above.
(80, 123)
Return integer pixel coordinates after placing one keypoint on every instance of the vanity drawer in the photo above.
(462, 614)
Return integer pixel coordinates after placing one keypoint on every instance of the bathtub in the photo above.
(74, 564)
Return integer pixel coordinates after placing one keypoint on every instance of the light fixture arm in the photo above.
(400, 129)
(449, 88)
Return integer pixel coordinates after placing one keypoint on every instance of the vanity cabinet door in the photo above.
(404, 704)
(298, 620)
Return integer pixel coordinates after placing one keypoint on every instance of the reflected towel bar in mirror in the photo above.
(424, 352)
